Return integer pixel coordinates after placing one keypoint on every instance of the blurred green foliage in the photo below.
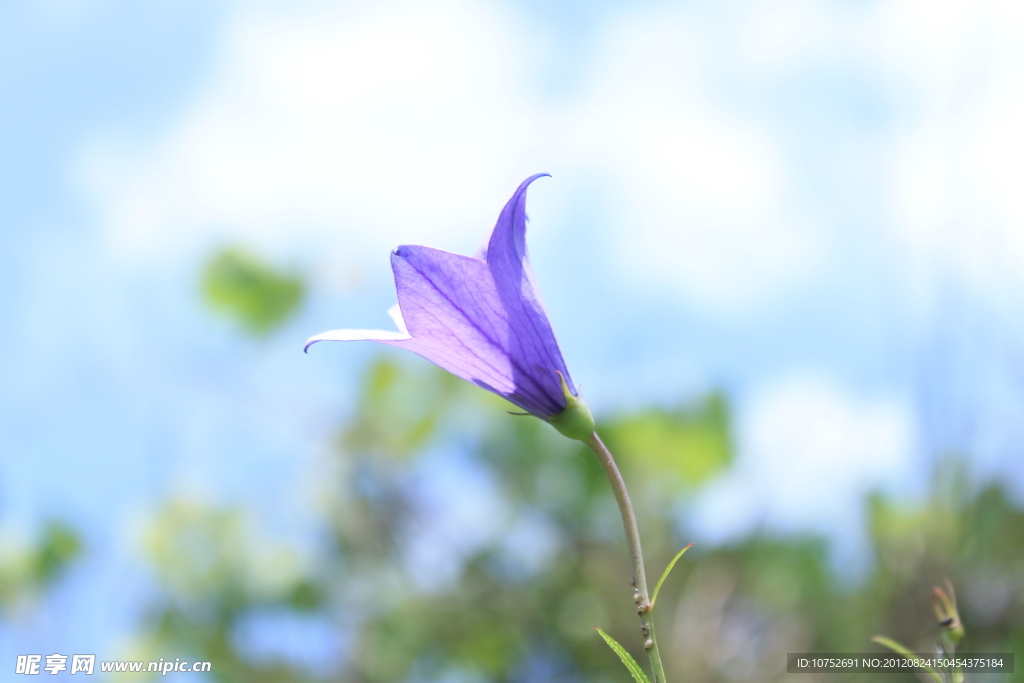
(688, 445)
(519, 602)
(26, 570)
(516, 609)
(241, 286)
(215, 570)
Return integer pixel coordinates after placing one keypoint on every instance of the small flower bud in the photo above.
(944, 604)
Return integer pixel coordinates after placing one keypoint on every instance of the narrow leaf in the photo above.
(638, 674)
(907, 654)
(664, 574)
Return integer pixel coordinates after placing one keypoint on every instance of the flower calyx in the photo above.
(575, 421)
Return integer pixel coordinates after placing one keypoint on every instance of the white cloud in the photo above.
(699, 193)
(363, 127)
(359, 127)
(779, 34)
(377, 122)
(959, 158)
(808, 451)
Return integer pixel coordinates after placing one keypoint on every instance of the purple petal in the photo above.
(534, 344)
(458, 321)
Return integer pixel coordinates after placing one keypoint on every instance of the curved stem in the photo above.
(641, 596)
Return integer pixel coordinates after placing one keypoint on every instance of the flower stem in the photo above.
(641, 596)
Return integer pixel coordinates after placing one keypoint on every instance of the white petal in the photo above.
(396, 314)
(357, 335)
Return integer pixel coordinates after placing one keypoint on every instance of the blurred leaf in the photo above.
(59, 546)
(627, 659)
(690, 445)
(399, 410)
(240, 285)
(307, 595)
(202, 552)
(28, 570)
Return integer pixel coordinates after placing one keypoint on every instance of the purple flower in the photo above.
(480, 319)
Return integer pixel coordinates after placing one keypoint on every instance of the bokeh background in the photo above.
(782, 247)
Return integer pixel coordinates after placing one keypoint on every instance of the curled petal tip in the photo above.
(529, 181)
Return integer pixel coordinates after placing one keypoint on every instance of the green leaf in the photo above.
(896, 647)
(686, 446)
(638, 674)
(240, 285)
(60, 546)
(664, 574)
